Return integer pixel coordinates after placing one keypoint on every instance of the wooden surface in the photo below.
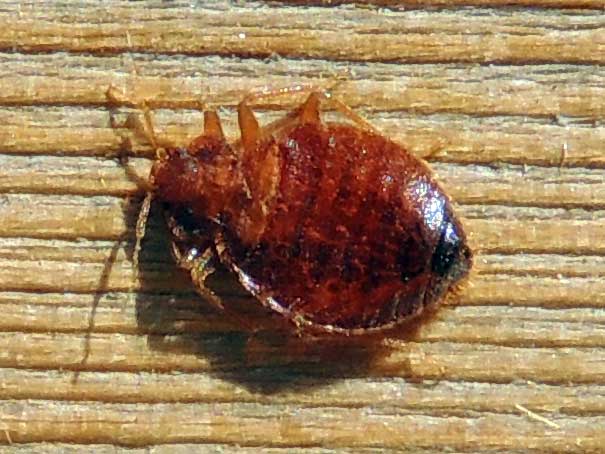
(506, 102)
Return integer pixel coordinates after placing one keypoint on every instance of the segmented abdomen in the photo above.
(346, 244)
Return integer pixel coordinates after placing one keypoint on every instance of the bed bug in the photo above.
(330, 224)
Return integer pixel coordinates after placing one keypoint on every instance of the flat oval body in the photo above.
(334, 226)
(359, 235)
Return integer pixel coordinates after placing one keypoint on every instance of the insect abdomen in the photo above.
(346, 245)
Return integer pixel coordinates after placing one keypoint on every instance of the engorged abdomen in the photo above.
(347, 243)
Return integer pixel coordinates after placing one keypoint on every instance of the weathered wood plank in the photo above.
(176, 80)
(412, 360)
(505, 102)
(440, 397)
(405, 4)
(260, 32)
(125, 425)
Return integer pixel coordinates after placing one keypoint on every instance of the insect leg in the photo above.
(249, 127)
(200, 268)
(293, 117)
(272, 92)
(144, 128)
(252, 133)
(212, 125)
(212, 130)
(348, 112)
(147, 130)
(309, 112)
(140, 230)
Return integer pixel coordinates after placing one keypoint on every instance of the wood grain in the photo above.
(505, 101)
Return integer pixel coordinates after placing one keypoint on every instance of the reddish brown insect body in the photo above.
(332, 225)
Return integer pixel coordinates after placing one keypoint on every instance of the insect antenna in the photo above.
(144, 128)
(117, 98)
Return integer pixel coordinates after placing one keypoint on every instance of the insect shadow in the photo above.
(246, 344)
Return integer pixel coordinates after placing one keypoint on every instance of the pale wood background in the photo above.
(506, 102)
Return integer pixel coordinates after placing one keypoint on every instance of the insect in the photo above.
(332, 225)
